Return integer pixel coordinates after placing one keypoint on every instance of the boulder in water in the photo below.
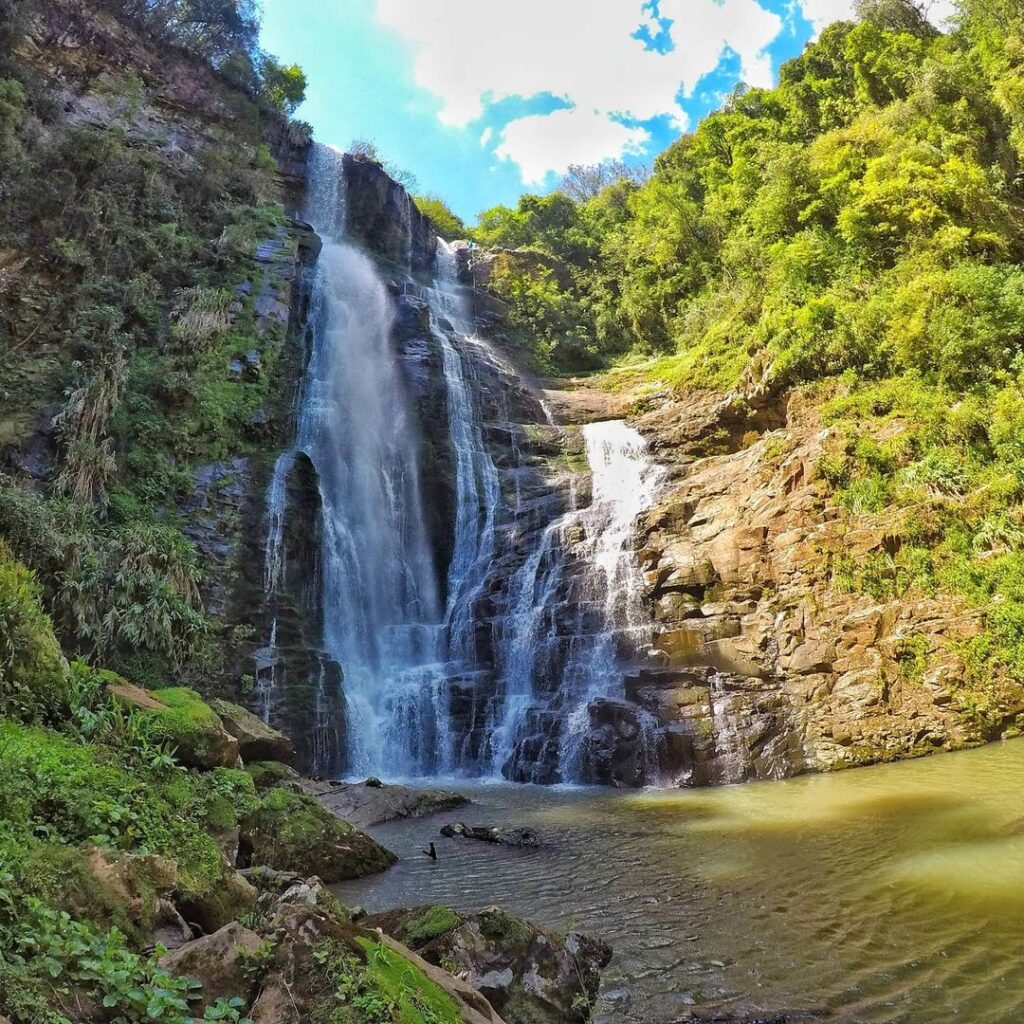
(518, 837)
(373, 802)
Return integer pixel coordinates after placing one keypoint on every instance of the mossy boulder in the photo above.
(256, 740)
(529, 975)
(268, 774)
(292, 832)
(323, 969)
(182, 718)
(136, 882)
(34, 677)
(83, 795)
(222, 961)
(226, 901)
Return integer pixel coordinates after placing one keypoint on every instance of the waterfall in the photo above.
(380, 594)
(625, 482)
(411, 645)
(595, 542)
(273, 577)
(477, 488)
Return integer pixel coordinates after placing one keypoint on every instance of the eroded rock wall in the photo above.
(765, 667)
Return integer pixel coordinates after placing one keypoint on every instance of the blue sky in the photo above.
(486, 99)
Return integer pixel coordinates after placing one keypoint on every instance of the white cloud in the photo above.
(472, 53)
(821, 13)
(551, 142)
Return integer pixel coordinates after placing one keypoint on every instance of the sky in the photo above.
(483, 100)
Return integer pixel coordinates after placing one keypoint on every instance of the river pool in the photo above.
(879, 895)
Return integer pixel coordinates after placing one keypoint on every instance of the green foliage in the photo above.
(187, 715)
(284, 86)
(58, 789)
(429, 924)
(372, 984)
(108, 586)
(866, 213)
(948, 482)
(446, 223)
(53, 959)
(34, 684)
(97, 716)
(289, 830)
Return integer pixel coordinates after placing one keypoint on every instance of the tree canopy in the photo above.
(868, 212)
(226, 34)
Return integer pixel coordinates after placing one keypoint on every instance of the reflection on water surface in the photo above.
(887, 894)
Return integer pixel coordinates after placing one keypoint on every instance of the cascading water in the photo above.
(585, 663)
(572, 615)
(477, 487)
(380, 595)
(273, 577)
(625, 482)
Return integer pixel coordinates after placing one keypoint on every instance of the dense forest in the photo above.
(123, 328)
(856, 231)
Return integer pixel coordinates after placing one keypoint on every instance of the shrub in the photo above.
(34, 684)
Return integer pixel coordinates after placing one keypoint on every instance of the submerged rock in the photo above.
(529, 975)
(746, 1017)
(518, 837)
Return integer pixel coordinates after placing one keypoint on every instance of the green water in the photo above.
(887, 894)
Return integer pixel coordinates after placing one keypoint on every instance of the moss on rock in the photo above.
(292, 832)
(182, 718)
(256, 740)
(427, 924)
(268, 774)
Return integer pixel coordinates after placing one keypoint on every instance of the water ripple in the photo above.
(891, 895)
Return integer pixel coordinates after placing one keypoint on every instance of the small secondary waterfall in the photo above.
(625, 482)
(273, 577)
(581, 661)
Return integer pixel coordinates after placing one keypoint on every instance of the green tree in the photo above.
(283, 85)
(447, 223)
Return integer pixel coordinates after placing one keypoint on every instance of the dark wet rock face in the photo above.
(382, 216)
